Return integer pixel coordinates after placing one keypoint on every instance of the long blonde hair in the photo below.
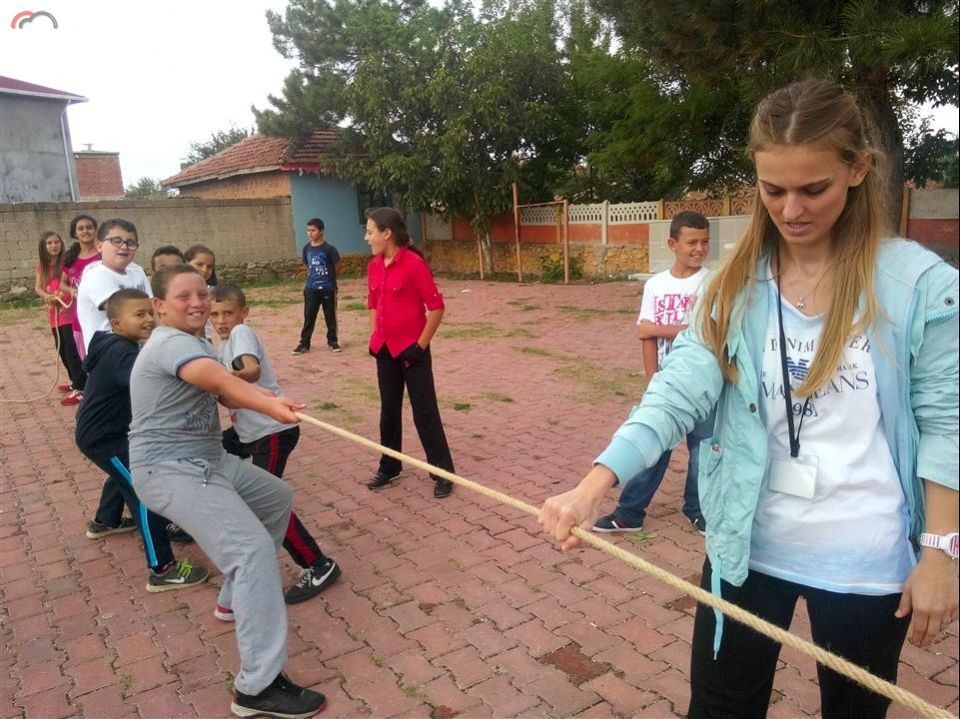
(820, 114)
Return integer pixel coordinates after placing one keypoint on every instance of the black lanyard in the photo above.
(794, 439)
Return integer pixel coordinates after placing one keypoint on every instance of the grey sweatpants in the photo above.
(238, 514)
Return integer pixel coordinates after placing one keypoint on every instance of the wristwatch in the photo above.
(949, 543)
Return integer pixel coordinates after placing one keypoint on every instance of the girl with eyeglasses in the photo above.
(117, 243)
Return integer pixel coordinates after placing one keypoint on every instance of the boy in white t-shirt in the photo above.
(117, 243)
(668, 299)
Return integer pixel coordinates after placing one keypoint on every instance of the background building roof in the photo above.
(11, 86)
(259, 153)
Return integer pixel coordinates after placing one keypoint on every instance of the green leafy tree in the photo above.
(444, 107)
(219, 140)
(146, 188)
(717, 58)
(932, 156)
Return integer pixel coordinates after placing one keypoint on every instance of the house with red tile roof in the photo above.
(36, 154)
(262, 166)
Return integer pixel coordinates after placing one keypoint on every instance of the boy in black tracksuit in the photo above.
(103, 422)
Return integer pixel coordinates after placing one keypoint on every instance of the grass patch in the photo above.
(524, 304)
(355, 388)
(354, 306)
(462, 406)
(275, 302)
(497, 397)
(585, 314)
(326, 406)
(641, 538)
(472, 331)
(599, 382)
(522, 332)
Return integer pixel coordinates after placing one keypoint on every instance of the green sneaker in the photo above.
(176, 575)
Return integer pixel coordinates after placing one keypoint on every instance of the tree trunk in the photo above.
(884, 131)
(487, 245)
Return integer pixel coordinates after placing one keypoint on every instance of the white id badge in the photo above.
(794, 476)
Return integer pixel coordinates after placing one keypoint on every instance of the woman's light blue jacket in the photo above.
(917, 378)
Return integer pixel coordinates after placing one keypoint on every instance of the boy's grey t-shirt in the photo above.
(172, 419)
(251, 425)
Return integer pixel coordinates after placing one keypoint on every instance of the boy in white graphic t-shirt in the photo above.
(665, 310)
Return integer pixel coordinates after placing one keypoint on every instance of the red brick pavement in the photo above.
(445, 608)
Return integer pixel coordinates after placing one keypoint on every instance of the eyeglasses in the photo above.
(119, 242)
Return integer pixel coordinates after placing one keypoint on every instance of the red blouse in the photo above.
(399, 292)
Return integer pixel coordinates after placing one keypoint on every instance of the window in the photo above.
(367, 198)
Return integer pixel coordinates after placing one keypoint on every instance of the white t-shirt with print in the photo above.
(667, 300)
(97, 283)
(851, 537)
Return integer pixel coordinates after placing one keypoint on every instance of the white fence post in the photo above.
(604, 221)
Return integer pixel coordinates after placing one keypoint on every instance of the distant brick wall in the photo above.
(238, 231)
(98, 175)
(261, 184)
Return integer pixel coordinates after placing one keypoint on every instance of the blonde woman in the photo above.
(830, 352)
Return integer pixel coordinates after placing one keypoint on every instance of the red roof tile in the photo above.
(258, 153)
(19, 87)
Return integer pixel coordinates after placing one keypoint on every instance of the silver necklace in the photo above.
(800, 304)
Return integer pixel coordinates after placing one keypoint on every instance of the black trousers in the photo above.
(313, 300)
(271, 453)
(67, 349)
(393, 374)
(117, 491)
(737, 684)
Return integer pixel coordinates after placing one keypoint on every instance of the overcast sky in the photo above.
(158, 75)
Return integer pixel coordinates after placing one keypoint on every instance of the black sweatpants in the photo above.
(737, 684)
(117, 491)
(393, 374)
(271, 453)
(67, 349)
(313, 300)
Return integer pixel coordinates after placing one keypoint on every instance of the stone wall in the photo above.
(239, 232)
(593, 260)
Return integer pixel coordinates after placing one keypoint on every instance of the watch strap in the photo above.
(948, 543)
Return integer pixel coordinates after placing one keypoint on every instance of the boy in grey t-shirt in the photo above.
(263, 438)
(237, 513)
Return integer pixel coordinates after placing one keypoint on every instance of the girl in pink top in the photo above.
(405, 310)
(59, 300)
(82, 252)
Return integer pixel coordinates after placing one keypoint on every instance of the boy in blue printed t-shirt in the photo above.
(323, 263)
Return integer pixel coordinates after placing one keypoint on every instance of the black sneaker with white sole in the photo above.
(95, 530)
(282, 699)
(700, 523)
(300, 349)
(381, 480)
(610, 523)
(312, 581)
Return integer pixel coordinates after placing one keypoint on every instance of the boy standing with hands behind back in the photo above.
(665, 310)
(323, 264)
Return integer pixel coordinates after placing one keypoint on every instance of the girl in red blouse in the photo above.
(400, 287)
